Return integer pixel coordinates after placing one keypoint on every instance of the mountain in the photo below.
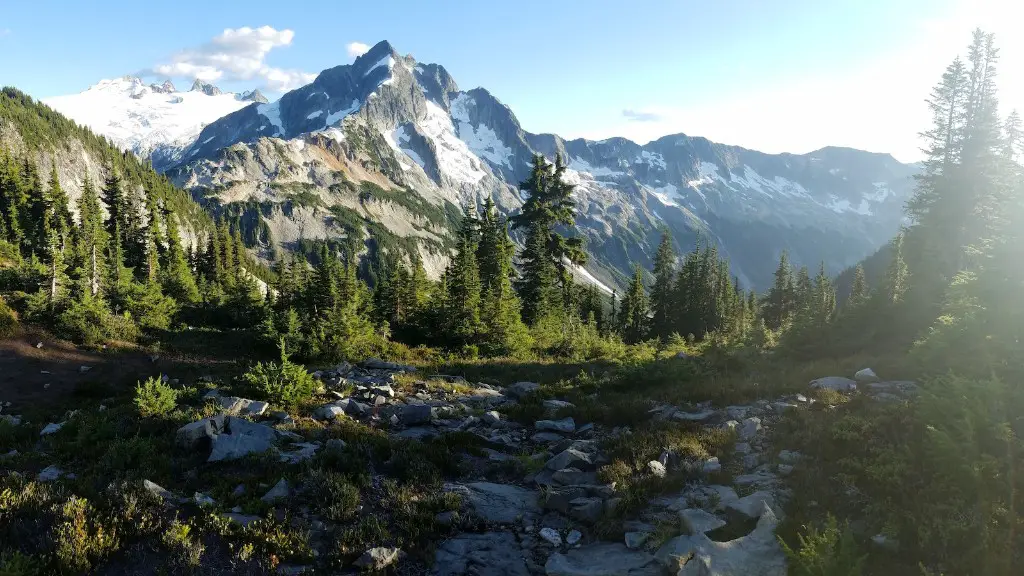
(389, 148)
(33, 131)
(153, 121)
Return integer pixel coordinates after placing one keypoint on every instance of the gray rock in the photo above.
(241, 439)
(750, 428)
(551, 536)
(790, 457)
(565, 425)
(837, 383)
(202, 500)
(242, 519)
(49, 474)
(785, 469)
(335, 444)
(519, 390)
(572, 477)
(866, 375)
(558, 499)
(280, 491)
(555, 405)
(11, 419)
(414, 414)
(693, 416)
(636, 540)
(491, 553)
(242, 406)
(782, 407)
(711, 466)
(603, 559)
(751, 506)
(52, 428)
(498, 503)
(546, 437)
(302, 451)
(419, 433)
(377, 559)
(570, 458)
(737, 412)
(756, 554)
(742, 448)
(573, 538)
(191, 435)
(491, 418)
(158, 491)
(730, 425)
(672, 554)
(329, 412)
(586, 509)
(10, 454)
(697, 521)
(656, 468)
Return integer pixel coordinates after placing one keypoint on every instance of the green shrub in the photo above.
(90, 322)
(18, 564)
(155, 398)
(284, 382)
(828, 552)
(81, 539)
(8, 320)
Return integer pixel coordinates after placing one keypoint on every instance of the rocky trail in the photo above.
(707, 516)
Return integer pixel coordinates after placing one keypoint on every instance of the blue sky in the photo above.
(765, 74)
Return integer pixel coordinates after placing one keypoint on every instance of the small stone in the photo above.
(49, 474)
(555, 405)
(836, 383)
(335, 445)
(551, 536)
(789, 457)
(712, 466)
(329, 412)
(866, 375)
(491, 418)
(11, 419)
(565, 425)
(278, 492)
(51, 428)
(242, 519)
(414, 414)
(46, 386)
(785, 469)
(158, 491)
(202, 499)
(83, 369)
(656, 468)
(521, 389)
(570, 458)
(238, 491)
(635, 540)
(39, 345)
(573, 538)
(377, 559)
(750, 428)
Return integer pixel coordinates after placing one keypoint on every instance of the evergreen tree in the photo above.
(462, 308)
(634, 309)
(177, 278)
(896, 276)
(779, 305)
(549, 204)
(859, 289)
(90, 257)
(663, 291)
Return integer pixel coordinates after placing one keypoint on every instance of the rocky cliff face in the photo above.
(408, 130)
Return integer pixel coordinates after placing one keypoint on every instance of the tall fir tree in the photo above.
(634, 319)
(663, 303)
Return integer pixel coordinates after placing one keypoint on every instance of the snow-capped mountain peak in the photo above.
(153, 121)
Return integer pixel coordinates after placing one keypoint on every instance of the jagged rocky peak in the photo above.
(166, 88)
(253, 96)
(205, 88)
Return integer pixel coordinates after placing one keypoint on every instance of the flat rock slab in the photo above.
(242, 406)
(697, 521)
(693, 416)
(837, 383)
(603, 559)
(491, 553)
(498, 503)
(756, 554)
(240, 439)
(564, 426)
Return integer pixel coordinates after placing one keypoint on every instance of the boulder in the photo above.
(551, 536)
(491, 553)
(565, 425)
(756, 554)
(49, 474)
(603, 559)
(491, 418)
(697, 521)
(52, 428)
(158, 491)
(636, 540)
(751, 506)
(519, 390)
(693, 416)
(558, 499)
(555, 405)
(235, 406)
(750, 428)
(377, 559)
(586, 509)
(191, 435)
(711, 466)
(570, 458)
(573, 537)
(329, 412)
(498, 503)
(278, 492)
(866, 375)
(414, 414)
(240, 439)
(837, 383)
(656, 468)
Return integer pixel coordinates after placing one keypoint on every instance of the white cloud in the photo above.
(356, 49)
(237, 54)
(877, 106)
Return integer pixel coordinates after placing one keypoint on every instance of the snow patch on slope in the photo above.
(582, 165)
(482, 140)
(454, 158)
(272, 112)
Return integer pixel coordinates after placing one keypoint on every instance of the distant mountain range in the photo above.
(396, 144)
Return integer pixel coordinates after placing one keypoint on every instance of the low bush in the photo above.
(284, 382)
(830, 551)
(155, 397)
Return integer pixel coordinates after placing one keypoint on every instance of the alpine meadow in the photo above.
(368, 323)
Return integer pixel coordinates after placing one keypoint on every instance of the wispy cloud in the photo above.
(237, 54)
(642, 115)
(356, 49)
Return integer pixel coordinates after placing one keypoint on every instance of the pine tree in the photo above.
(90, 257)
(152, 240)
(177, 279)
(779, 305)
(663, 291)
(60, 213)
(896, 276)
(462, 308)
(859, 289)
(634, 309)
(547, 252)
